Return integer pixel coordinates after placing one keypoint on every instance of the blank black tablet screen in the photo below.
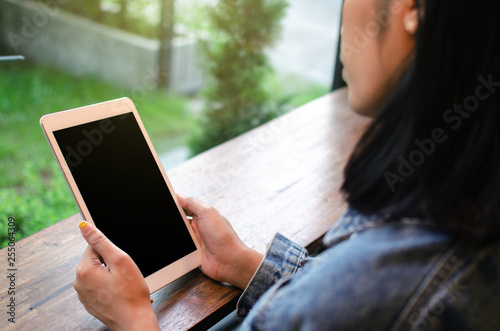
(125, 191)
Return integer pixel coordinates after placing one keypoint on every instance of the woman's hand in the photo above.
(116, 293)
(225, 257)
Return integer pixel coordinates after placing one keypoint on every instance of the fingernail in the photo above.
(152, 300)
(82, 224)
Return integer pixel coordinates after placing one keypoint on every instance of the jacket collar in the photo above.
(353, 222)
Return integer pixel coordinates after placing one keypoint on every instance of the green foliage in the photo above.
(236, 67)
(137, 16)
(39, 200)
(32, 188)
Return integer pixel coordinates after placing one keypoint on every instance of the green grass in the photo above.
(293, 90)
(32, 188)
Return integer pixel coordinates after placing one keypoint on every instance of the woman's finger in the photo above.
(87, 268)
(191, 205)
(91, 257)
(99, 242)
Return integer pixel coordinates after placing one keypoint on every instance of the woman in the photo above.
(419, 246)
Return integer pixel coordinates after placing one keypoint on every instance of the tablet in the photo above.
(120, 186)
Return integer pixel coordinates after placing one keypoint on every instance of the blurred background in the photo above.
(200, 72)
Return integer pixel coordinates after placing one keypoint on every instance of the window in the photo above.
(83, 52)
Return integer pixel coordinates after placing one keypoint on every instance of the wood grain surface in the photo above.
(281, 177)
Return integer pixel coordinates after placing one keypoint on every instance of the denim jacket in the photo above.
(375, 275)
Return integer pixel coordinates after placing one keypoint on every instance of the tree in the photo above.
(166, 35)
(236, 67)
(122, 15)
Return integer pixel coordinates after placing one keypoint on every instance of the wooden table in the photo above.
(283, 176)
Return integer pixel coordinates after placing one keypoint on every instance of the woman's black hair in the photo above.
(433, 150)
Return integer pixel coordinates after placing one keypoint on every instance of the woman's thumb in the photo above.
(98, 241)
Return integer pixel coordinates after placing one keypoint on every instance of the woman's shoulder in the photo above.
(410, 272)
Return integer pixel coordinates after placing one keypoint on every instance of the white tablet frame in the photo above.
(82, 115)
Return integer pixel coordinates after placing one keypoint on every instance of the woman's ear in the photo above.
(410, 21)
(410, 18)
